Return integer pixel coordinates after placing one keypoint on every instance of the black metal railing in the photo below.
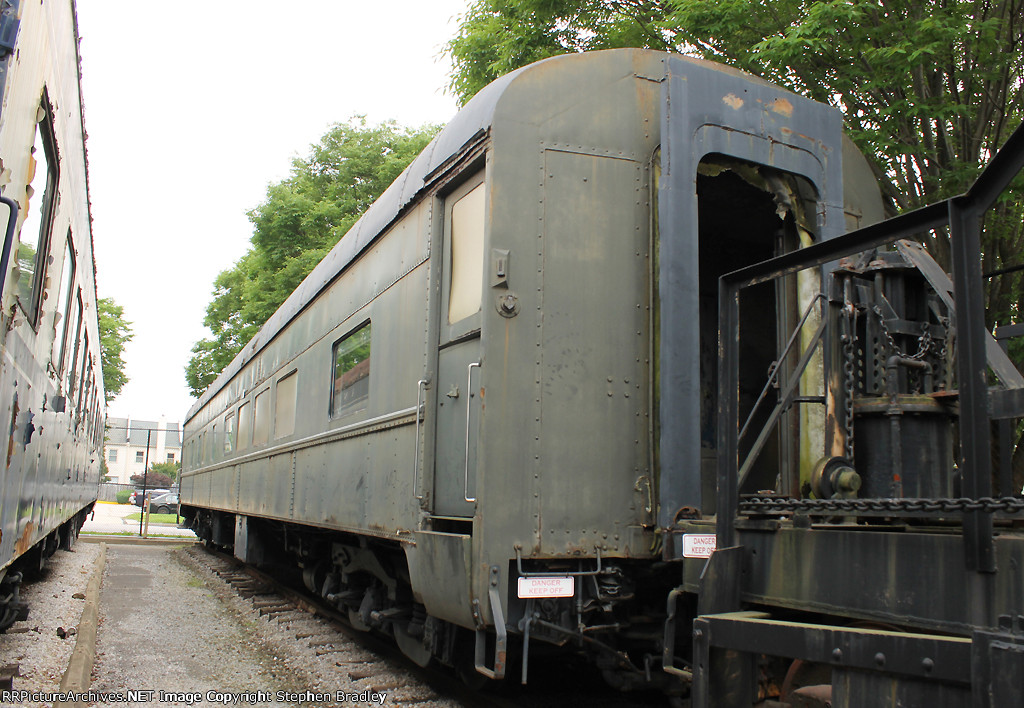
(962, 216)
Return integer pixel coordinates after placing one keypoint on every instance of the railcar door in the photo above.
(458, 393)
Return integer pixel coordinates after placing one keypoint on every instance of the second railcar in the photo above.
(51, 382)
(478, 413)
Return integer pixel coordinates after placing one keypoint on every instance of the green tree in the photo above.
(115, 332)
(152, 479)
(166, 469)
(928, 88)
(497, 36)
(300, 220)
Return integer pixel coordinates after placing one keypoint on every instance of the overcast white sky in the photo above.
(191, 113)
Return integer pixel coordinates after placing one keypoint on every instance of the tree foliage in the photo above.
(300, 220)
(152, 479)
(928, 88)
(166, 469)
(115, 332)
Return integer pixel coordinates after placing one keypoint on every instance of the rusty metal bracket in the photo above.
(501, 634)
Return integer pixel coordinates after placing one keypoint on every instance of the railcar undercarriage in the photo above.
(30, 564)
(616, 619)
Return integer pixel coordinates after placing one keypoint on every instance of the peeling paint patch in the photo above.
(24, 541)
(782, 106)
(10, 436)
(733, 101)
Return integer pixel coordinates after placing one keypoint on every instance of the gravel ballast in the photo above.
(42, 644)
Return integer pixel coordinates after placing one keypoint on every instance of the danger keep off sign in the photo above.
(546, 587)
(699, 545)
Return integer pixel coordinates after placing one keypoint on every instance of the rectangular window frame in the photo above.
(357, 400)
(229, 433)
(61, 321)
(44, 128)
(244, 426)
(465, 235)
(261, 418)
(286, 396)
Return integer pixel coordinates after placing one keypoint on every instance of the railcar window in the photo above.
(261, 418)
(60, 314)
(41, 195)
(351, 372)
(72, 378)
(244, 426)
(284, 411)
(229, 433)
(213, 443)
(82, 381)
(467, 255)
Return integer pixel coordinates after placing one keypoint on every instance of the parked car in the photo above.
(138, 494)
(164, 503)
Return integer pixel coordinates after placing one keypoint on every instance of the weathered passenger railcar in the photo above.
(51, 383)
(493, 417)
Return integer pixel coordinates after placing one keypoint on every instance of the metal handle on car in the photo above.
(469, 409)
(421, 387)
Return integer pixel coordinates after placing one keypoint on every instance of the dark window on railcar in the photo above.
(244, 427)
(40, 200)
(351, 372)
(61, 322)
(229, 433)
(83, 381)
(73, 376)
(284, 405)
(261, 418)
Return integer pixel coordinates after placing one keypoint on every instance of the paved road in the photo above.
(110, 518)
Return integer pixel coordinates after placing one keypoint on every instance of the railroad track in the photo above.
(367, 663)
(362, 661)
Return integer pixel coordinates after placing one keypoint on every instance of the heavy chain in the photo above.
(893, 507)
(850, 326)
(924, 342)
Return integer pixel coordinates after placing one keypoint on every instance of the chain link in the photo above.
(895, 507)
(924, 342)
(849, 380)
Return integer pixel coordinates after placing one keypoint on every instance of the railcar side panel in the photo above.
(51, 384)
(290, 477)
(567, 462)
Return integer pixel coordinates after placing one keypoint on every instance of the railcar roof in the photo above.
(472, 120)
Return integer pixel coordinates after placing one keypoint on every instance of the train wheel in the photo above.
(465, 662)
(411, 646)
